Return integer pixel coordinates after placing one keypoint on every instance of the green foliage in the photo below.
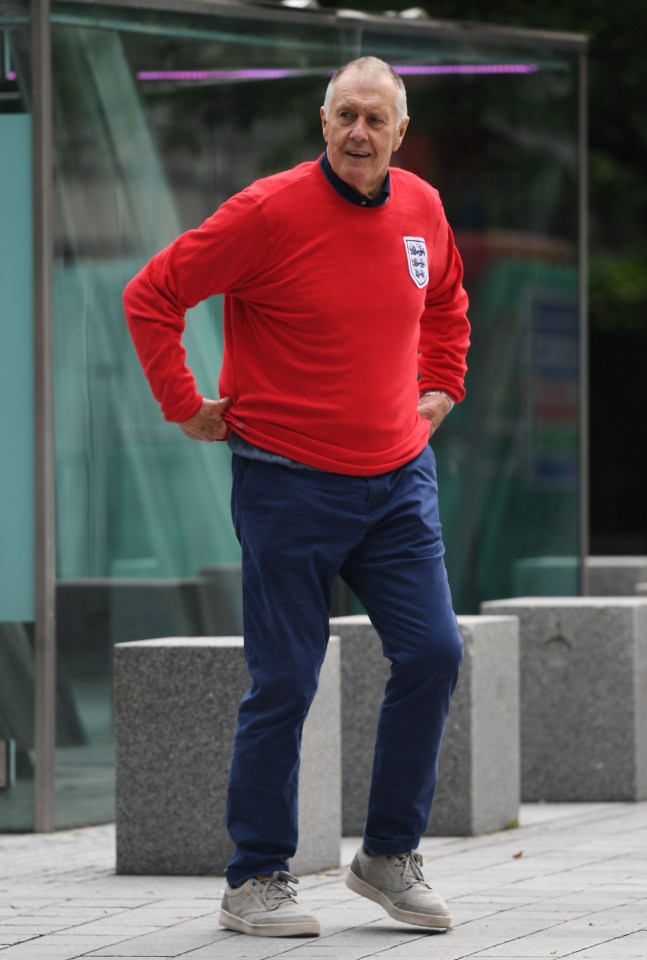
(618, 291)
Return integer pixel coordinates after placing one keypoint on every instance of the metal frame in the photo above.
(260, 10)
(583, 265)
(45, 618)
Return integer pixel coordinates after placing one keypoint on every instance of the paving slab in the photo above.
(571, 880)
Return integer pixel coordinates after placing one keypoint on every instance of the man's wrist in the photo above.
(438, 393)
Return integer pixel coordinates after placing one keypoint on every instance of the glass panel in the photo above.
(145, 543)
(16, 462)
(158, 119)
(494, 127)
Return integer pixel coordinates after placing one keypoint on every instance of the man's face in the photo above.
(362, 129)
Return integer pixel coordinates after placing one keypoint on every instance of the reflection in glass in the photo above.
(16, 456)
(158, 119)
(16, 727)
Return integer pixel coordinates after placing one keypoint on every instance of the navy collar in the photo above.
(352, 195)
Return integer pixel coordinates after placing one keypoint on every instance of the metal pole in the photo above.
(583, 257)
(45, 618)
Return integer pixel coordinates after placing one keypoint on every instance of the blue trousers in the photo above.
(298, 530)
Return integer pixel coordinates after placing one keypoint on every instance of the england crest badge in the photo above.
(417, 258)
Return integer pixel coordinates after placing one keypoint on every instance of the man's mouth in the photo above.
(358, 154)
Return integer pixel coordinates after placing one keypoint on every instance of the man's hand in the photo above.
(434, 408)
(207, 424)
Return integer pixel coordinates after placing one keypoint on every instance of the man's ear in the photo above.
(402, 129)
(324, 123)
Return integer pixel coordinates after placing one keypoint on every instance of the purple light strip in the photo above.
(260, 74)
(280, 74)
(468, 68)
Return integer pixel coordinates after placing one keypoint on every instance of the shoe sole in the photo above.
(303, 928)
(364, 889)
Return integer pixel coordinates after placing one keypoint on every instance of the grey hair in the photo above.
(377, 67)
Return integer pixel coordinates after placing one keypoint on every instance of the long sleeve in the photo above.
(320, 305)
(223, 255)
(444, 327)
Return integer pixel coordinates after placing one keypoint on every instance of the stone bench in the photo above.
(614, 576)
(583, 696)
(176, 701)
(478, 782)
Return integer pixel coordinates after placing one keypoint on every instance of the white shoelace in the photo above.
(277, 889)
(411, 863)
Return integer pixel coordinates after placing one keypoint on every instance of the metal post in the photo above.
(583, 256)
(45, 619)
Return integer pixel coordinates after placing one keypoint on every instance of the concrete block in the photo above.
(614, 576)
(583, 696)
(320, 786)
(641, 589)
(364, 672)
(479, 777)
(478, 780)
(176, 705)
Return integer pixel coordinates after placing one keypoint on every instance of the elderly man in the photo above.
(345, 343)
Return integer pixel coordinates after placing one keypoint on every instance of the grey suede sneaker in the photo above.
(267, 907)
(395, 881)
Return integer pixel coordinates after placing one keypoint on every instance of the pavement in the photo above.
(570, 881)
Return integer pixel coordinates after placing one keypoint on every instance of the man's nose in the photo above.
(359, 129)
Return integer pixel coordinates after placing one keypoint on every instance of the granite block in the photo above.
(478, 781)
(583, 696)
(364, 673)
(176, 701)
(614, 576)
(320, 787)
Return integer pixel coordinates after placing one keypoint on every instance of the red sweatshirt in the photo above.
(331, 326)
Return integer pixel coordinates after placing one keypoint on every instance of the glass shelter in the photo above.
(123, 124)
